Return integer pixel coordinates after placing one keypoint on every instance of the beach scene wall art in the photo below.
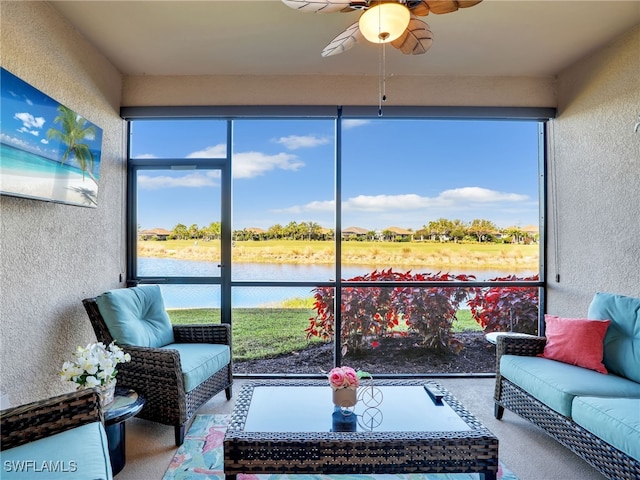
(47, 151)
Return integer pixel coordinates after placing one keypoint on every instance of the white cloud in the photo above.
(353, 123)
(254, 164)
(294, 142)
(190, 180)
(29, 147)
(382, 203)
(29, 121)
(216, 151)
(315, 206)
(481, 195)
(35, 133)
(13, 141)
(455, 200)
(246, 164)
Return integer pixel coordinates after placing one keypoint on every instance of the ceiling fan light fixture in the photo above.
(384, 22)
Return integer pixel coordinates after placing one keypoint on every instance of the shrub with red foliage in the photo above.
(370, 313)
(502, 309)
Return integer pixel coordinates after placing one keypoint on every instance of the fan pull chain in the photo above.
(382, 79)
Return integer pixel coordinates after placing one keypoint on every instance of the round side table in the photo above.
(126, 404)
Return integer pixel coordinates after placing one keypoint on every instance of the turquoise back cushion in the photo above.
(622, 341)
(136, 316)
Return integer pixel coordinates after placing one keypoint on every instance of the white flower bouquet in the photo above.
(94, 365)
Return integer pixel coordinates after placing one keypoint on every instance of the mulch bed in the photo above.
(394, 356)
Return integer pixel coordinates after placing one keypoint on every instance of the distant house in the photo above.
(398, 232)
(256, 233)
(532, 232)
(156, 233)
(354, 232)
(526, 234)
(326, 233)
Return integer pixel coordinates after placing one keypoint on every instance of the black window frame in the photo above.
(338, 113)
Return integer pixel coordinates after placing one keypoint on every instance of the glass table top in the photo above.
(396, 408)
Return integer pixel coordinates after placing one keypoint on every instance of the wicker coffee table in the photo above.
(289, 426)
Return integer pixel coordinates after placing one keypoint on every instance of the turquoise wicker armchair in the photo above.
(162, 355)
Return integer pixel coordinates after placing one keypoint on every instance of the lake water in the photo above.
(184, 296)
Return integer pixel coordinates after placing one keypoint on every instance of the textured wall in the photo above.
(345, 90)
(596, 157)
(54, 255)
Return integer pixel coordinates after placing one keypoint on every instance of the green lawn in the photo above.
(268, 332)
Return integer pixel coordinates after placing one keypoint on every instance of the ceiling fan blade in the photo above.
(318, 6)
(416, 39)
(420, 8)
(344, 41)
(441, 6)
(468, 3)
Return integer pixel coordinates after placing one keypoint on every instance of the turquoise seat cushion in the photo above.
(556, 384)
(200, 360)
(614, 420)
(136, 316)
(622, 341)
(82, 452)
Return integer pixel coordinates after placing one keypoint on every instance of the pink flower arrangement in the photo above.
(345, 377)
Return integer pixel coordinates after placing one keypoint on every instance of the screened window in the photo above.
(287, 227)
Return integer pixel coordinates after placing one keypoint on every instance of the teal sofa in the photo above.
(61, 437)
(595, 415)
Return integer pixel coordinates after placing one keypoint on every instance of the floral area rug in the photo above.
(201, 458)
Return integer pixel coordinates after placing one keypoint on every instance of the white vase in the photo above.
(107, 393)
(345, 397)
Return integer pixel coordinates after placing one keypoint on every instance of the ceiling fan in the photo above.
(383, 21)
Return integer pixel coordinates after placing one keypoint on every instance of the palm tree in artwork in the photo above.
(73, 130)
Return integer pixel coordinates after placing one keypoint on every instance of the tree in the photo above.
(311, 229)
(482, 229)
(73, 130)
(516, 234)
(291, 230)
(276, 231)
(194, 231)
(180, 232)
(440, 228)
(458, 230)
(423, 232)
(213, 231)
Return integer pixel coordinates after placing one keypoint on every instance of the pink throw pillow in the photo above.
(576, 341)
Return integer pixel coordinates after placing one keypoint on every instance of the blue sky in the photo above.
(27, 115)
(401, 173)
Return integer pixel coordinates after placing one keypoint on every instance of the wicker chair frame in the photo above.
(37, 420)
(157, 374)
(610, 461)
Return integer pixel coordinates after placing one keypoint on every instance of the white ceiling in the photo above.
(244, 37)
